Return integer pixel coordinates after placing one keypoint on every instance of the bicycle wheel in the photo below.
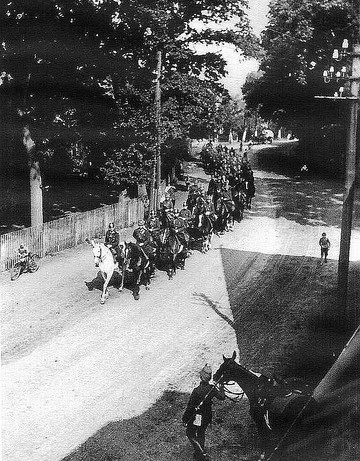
(34, 263)
(15, 271)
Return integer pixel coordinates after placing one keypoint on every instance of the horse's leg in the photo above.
(122, 276)
(105, 292)
(171, 266)
(210, 238)
(136, 287)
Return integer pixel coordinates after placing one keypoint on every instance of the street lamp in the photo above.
(342, 73)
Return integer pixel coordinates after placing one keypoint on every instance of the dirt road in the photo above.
(70, 365)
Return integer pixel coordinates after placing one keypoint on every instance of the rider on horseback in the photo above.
(154, 226)
(199, 207)
(112, 240)
(179, 225)
(144, 241)
(209, 210)
(186, 214)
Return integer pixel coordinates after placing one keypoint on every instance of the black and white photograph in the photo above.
(180, 230)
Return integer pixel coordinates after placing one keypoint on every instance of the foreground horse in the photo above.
(134, 261)
(203, 232)
(171, 251)
(224, 209)
(240, 201)
(276, 406)
(104, 260)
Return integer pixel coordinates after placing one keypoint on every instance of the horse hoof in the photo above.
(136, 297)
(102, 302)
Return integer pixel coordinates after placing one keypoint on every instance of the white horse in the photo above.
(104, 260)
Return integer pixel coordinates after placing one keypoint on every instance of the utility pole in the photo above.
(350, 177)
(158, 128)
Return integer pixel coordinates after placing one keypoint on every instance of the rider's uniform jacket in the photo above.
(209, 208)
(186, 214)
(112, 238)
(226, 194)
(179, 224)
(142, 235)
(193, 190)
(211, 187)
(153, 224)
(200, 203)
(167, 204)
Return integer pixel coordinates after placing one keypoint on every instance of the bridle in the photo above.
(98, 257)
(236, 394)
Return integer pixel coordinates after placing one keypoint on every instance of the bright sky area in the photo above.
(238, 67)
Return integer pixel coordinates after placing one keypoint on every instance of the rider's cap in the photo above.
(206, 373)
(22, 246)
(141, 222)
(184, 205)
(323, 234)
(111, 225)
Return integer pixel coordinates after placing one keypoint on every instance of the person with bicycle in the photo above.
(23, 254)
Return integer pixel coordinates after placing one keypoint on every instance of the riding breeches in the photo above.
(196, 436)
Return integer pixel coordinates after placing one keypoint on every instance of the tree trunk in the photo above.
(36, 198)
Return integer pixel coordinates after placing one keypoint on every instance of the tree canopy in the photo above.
(80, 73)
(298, 43)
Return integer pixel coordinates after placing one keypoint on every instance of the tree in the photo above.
(80, 73)
(298, 43)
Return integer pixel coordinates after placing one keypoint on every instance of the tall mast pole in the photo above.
(350, 184)
(158, 124)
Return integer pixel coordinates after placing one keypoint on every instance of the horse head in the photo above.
(97, 251)
(230, 370)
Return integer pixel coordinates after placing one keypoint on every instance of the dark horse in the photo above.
(203, 232)
(171, 251)
(239, 199)
(277, 407)
(134, 261)
(224, 208)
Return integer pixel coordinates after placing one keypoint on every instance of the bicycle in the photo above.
(31, 265)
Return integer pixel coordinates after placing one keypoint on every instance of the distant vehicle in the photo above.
(30, 265)
(266, 137)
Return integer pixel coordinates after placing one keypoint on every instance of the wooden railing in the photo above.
(70, 231)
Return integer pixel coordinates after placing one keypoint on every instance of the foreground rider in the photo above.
(143, 239)
(186, 214)
(23, 254)
(209, 210)
(153, 225)
(180, 228)
(198, 413)
(112, 240)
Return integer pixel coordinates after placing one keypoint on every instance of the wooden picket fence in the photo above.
(70, 231)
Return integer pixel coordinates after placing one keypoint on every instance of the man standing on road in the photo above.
(324, 243)
(198, 413)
